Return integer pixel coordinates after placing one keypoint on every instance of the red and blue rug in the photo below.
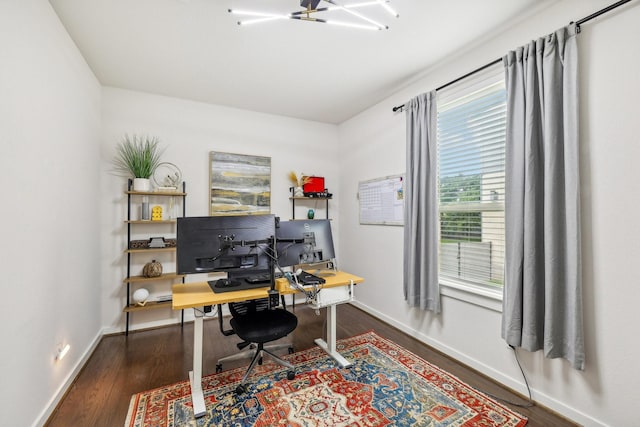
(386, 386)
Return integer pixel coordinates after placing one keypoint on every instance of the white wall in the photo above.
(189, 131)
(49, 133)
(606, 392)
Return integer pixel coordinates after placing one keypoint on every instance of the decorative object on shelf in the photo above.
(167, 177)
(298, 183)
(325, 15)
(156, 213)
(152, 269)
(144, 209)
(310, 214)
(314, 186)
(139, 244)
(138, 156)
(239, 184)
(157, 242)
(140, 296)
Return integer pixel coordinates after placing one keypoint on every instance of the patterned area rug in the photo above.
(386, 386)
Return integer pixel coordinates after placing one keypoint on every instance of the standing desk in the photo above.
(197, 295)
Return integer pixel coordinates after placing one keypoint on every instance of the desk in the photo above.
(197, 295)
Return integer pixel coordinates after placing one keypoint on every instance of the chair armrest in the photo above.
(225, 332)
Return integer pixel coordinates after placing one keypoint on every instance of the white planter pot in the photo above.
(141, 184)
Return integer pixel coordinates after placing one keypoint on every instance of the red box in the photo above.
(315, 184)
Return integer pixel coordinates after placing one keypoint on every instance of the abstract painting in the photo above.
(240, 184)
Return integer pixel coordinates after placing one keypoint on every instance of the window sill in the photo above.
(477, 295)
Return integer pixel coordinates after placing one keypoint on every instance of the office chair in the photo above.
(256, 324)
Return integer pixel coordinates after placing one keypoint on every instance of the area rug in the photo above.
(386, 386)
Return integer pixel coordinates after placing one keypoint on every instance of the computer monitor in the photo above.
(241, 246)
(304, 242)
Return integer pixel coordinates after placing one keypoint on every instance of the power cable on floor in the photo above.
(530, 403)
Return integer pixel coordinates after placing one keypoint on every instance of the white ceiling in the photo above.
(193, 49)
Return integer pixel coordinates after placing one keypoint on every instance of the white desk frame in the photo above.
(195, 376)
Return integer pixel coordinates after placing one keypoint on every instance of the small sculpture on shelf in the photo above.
(167, 177)
(297, 182)
(156, 213)
(140, 296)
(152, 269)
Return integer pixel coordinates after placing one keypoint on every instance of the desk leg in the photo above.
(195, 376)
(330, 346)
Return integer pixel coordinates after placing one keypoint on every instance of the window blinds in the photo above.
(471, 171)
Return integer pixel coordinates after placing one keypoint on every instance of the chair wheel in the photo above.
(240, 389)
(260, 361)
(218, 368)
(291, 375)
(290, 350)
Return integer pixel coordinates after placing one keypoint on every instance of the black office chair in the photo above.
(255, 323)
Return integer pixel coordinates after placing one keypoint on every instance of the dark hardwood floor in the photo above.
(122, 366)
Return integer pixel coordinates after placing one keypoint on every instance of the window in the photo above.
(471, 170)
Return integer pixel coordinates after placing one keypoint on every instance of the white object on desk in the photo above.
(330, 296)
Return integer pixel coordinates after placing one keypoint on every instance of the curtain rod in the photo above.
(477, 70)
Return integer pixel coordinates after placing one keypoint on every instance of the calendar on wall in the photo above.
(382, 200)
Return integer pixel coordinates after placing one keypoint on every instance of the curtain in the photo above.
(542, 306)
(420, 269)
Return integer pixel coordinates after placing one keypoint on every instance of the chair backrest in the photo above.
(245, 308)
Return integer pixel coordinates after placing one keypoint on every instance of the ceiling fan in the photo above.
(312, 13)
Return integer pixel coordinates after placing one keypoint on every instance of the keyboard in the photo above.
(262, 278)
(306, 279)
(225, 285)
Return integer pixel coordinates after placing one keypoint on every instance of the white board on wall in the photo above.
(382, 200)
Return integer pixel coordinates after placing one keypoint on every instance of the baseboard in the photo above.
(512, 383)
(62, 390)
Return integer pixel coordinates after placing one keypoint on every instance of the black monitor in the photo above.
(304, 242)
(241, 246)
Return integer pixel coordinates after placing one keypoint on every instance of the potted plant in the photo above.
(138, 156)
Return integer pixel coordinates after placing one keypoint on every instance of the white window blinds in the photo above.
(471, 171)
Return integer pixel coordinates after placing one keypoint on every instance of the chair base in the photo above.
(250, 353)
(241, 388)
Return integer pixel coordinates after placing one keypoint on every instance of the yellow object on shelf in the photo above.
(156, 213)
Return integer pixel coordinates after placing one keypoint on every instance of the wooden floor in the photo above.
(122, 366)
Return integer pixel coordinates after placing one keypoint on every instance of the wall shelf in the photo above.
(148, 221)
(305, 199)
(149, 250)
(133, 281)
(150, 305)
(142, 279)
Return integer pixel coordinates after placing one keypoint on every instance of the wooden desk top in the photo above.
(198, 294)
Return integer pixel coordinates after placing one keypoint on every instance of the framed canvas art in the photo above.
(240, 184)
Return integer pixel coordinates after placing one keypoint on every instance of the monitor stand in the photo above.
(328, 270)
(224, 285)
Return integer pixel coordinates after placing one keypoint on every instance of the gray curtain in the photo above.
(421, 287)
(542, 306)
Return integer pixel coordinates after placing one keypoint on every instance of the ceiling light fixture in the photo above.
(311, 12)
